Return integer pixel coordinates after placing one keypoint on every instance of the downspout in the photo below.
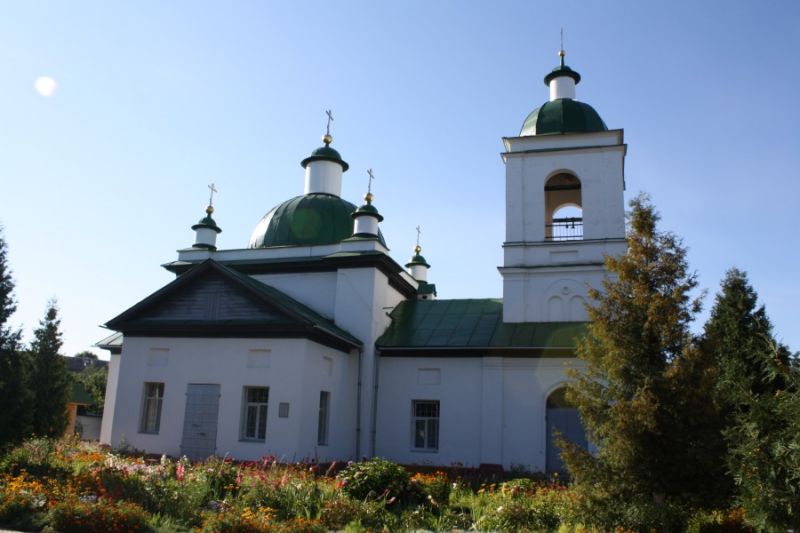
(374, 417)
(358, 408)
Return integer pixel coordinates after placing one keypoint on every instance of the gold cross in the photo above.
(419, 232)
(330, 119)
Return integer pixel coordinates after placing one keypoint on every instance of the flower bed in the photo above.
(72, 486)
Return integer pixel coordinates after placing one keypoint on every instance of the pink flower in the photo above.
(239, 477)
(179, 472)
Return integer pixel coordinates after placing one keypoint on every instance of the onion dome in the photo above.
(206, 231)
(562, 114)
(366, 219)
(307, 220)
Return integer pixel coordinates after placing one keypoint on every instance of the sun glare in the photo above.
(45, 86)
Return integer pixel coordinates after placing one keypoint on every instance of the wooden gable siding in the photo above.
(212, 298)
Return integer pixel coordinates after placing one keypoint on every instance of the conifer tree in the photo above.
(758, 391)
(15, 410)
(49, 379)
(643, 392)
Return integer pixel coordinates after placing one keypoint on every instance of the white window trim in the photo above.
(246, 408)
(427, 420)
(158, 399)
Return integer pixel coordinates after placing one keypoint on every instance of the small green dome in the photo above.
(368, 209)
(562, 70)
(417, 259)
(308, 220)
(325, 153)
(562, 116)
(207, 222)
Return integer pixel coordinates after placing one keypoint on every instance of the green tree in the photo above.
(94, 380)
(643, 392)
(15, 414)
(759, 395)
(49, 379)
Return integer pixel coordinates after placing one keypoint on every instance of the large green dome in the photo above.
(562, 116)
(308, 220)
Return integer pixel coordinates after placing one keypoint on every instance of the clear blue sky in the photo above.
(100, 182)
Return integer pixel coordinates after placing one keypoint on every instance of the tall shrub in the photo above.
(15, 414)
(643, 394)
(49, 379)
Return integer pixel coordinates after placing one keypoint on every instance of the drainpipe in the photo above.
(373, 422)
(358, 408)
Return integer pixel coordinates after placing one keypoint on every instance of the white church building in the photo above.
(314, 343)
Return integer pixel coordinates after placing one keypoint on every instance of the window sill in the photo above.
(254, 441)
(425, 450)
(142, 432)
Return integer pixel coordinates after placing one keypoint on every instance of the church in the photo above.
(313, 343)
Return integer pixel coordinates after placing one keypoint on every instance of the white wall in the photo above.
(295, 370)
(492, 409)
(314, 289)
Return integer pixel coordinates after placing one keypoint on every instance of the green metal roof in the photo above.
(207, 222)
(417, 259)
(426, 288)
(431, 326)
(369, 210)
(562, 70)
(325, 153)
(307, 220)
(562, 116)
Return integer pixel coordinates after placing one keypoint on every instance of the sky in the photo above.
(115, 117)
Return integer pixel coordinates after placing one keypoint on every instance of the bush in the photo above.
(434, 488)
(378, 478)
(76, 516)
(718, 522)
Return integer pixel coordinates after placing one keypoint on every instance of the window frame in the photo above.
(323, 422)
(261, 413)
(146, 424)
(427, 421)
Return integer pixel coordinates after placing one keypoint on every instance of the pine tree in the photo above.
(15, 414)
(759, 394)
(643, 392)
(49, 377)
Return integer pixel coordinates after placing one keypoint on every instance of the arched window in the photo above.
(563, 208)
(562, 418)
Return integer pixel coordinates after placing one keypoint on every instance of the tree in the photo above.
(49, 379)
(15, 414)
(758, 392)
(94, 380)
(643, 392)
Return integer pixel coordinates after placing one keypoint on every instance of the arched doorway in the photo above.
(562, 417)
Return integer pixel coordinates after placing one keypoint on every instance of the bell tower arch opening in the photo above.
(563, 208)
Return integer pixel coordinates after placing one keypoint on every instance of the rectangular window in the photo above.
(425, 424)
(151, 407)
(254, 413)
(324, 410)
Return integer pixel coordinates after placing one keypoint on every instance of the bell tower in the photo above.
(564, 206)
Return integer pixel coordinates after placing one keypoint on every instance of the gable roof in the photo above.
(211, 300)
(472, 327)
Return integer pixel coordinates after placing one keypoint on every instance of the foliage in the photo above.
(732, 521)
(48, 379)
(16, 415)
(94, 379)
(378, 478)
(642, 376)
(759, 393)
(76, 515)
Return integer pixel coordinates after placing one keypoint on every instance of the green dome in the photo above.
(325, 153)
(308, 220)
(417, 259)
(368, 209)
(562, 116)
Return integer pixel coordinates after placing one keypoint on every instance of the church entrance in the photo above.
(562, 418)
(200, 421)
